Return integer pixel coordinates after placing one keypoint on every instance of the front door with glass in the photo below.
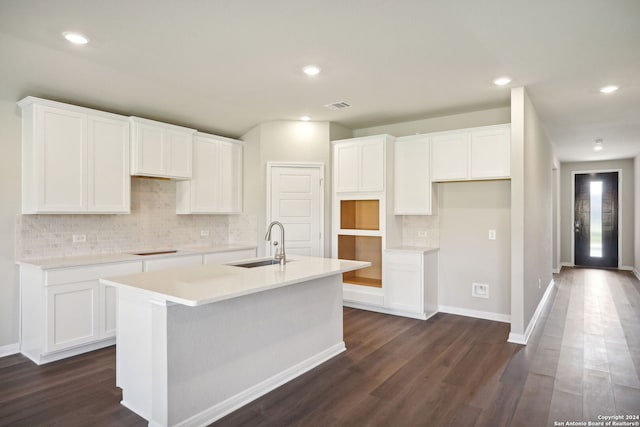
(595, 219)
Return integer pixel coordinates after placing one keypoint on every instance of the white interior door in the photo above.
(296, 200)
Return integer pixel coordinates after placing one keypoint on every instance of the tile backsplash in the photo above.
(152, 224)
(421, 231)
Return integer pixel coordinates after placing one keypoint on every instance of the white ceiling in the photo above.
(225, 66)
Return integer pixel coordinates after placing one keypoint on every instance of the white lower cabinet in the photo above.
(410, 279)
(72, 315)
(66, 311)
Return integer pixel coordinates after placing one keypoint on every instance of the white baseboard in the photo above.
(498, 317)
(557, 270)
(386, 310)
(524, 338)
(626, 268)
(234, 402)
(636, 273)
(8, 350)
(566, 264)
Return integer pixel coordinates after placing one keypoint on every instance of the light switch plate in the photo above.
(492, 234)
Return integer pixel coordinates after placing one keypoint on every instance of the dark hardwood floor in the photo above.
(582, 361)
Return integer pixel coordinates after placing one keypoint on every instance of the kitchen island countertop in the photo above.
(204, 284)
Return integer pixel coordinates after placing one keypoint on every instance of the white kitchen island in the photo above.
(196, 343)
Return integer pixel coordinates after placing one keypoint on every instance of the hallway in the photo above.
(591, 345)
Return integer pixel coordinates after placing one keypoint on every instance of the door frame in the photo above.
(573, 209)
(309, 165)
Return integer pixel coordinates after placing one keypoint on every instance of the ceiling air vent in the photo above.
(341, 105)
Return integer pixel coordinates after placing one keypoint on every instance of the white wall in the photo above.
(531, 213)
(494, 116)
(283, 141)
(636, 181)
(627, 207)
(10, 138)
(467, 211)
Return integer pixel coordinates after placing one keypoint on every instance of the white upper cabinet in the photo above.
(471, 154)
(160, 149)
(491, 153)
(412, 179)
(359, 164)
(108, 172)
(450, 156)
(216, 184)
(74, 160)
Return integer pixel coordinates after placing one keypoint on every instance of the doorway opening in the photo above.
(596, 219)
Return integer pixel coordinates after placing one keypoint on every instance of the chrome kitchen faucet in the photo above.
(280, 253)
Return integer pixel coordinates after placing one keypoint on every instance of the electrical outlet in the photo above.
(422, 233)
(79, 238)
(204, 233)
(480, 290)
(492, 234)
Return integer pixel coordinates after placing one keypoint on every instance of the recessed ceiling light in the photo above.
(501, 81)
(75, 38)
(311, 70)
(609, 89)
(598, 145)
(305, 118)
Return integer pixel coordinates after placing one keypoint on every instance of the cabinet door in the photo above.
(72, 315)
(403, 282)
(179, 154)
(347, 165)
(412, 180)
(60, 144)
(150, 155)
(450, 157)
(371, 166)
(205, 176)
(108, 165)
(107, 312)
(491, 153)
(229, 177)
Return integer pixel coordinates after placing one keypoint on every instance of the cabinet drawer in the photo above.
(92, 272)
(223, 257)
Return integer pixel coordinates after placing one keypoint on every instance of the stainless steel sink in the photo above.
(261, 263)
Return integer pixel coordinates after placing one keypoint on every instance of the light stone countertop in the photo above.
(83, 260)
(205, 284)
(413, 249)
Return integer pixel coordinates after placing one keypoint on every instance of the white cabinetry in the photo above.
(160, 149)
(411, 283)
(363, 224)
(490, 153)
(412, 178)
(74, 160)
(471, 154)
(66, 311)
(450, 156)
(359, 164)
(216, 184)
